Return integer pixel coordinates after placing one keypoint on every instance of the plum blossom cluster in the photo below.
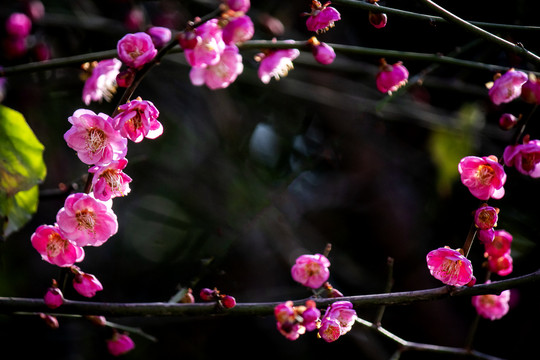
(19, 40)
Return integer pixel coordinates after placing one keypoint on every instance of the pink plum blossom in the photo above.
(310, 315)
(86, 221)
(54, 247)
(311, 270)
(110, 181)
(486, 217)
(238, 5)
(501, 265)
(222, 74)
(337, 320)
(524, 157)
(507, 87)
(486, 236)
(160, 35)
(500, 245)
(293, 321)
(209, 45)
(53, 298)
(238, 30)
(276, 64)
(135, 50)
(85, 284)
(391, 77)
(120, 344)
(492, 306)
(484, 176)
(18, 25)
(137, 119)
(94, 138)
(101, 84)
(530, 91)
(322, 17)
(322, 52)
(508, 121)
(449, 266)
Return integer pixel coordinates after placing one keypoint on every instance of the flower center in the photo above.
(113, 179)
(135, 122)
(451, 268)
(56, 245)
(485, 174)
(86, 220)
(96, 140)
(529, 162)
(285, 64)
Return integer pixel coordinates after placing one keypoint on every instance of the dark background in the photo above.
(246, 179)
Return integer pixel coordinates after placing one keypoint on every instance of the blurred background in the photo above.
(247, 178)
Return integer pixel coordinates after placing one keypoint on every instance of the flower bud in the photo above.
(207, 294)
(50, 320)
(53, 297)
(228, 302)
(486, 217)
(507, 121)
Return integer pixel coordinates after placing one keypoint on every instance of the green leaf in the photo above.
(21, 169)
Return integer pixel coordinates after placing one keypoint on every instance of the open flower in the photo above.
(86, 221)
(207, 45)
(500, 245)
(94, 138)
(524, 157)
(391, 77)
(507, 87)
(337, 320)
(101, 84)
(54, 248)
(449, 266)
(222, 74)
(137, 119)
(530, 91)
(322, 17)
(135, 50)
(311, 270)
(276, 63)
(484, 176)
(492, 306)
(110, 181)
(238, 30)
(501, 265)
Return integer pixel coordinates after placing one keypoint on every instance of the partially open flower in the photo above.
(135, 50)
(391, 77)
(485, 217)
(322, 52)
(449, 266)
(85, 284)
(484, 176)
(500, 245)
(276, 63)
(525, 157)
(322, 17)
(53, 297)
(507, 87)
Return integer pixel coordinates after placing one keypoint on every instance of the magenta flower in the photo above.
(322, 52)
(501, 265)
(276, 64)
(208, 47)
(54, 248)
(486, 217)
(53, 297)
(101, 84)
(322, 17)
(507, 87)
(449, 266)
(524, 157)
(160, 35)
(530, 91)
(137, 119)
(85, 284)
(391, 77)
(94, 138)
(238, 5)
(238, 30)
(135, 50)
(500, 245)
(110, 181)
(377, 19)
(508, 121)
(492, 306)
(18, 25)
(486, 236)
(311, 270)
(310, 315)
(222, 74)
(120, 344)
(337, 320)
(287, 322)
(86, 221)
(484, 176)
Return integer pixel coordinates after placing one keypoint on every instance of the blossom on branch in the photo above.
(276, 63)
(101, 83)
(237, 30)
(484, 176)
(94, 138)
(391, 77)
(337, 320)
(85, 284)
(322, 17)
(322, 52)
(120, 344)
(208, 46)
(491, 306)
(449, 266)
(136, 50)
(293, 321)
(54, 247)
(507, 87)
(525, 157)
(222, 74)
(110, 181)
(86, 221)
(500, 245)
(137, 119)
(311, 270)
(53, 298)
